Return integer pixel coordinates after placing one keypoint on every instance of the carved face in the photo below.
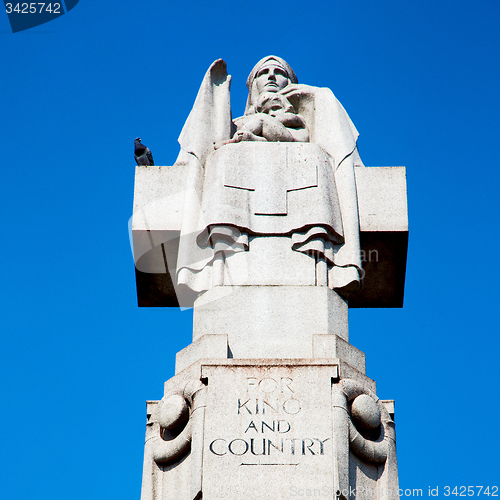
(271, 78)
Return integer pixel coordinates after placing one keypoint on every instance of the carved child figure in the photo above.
(275, 120)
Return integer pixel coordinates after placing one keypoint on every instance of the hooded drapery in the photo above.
(330, 232)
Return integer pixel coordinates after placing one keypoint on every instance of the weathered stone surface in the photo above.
(267, 431)
(324, 346)
(208, 346)
(383, 220)
(365, 412)
(332, 346)
(382, 199)
(269, 428)
(389, 406)
(270, 321)
(269, 264)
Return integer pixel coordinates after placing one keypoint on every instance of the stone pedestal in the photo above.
(270, 321)
(270, 429)
(270, 402)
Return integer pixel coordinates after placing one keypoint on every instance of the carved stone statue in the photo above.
(285, 169)
(269, 115)
(258, 226)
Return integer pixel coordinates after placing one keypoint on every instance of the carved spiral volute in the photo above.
(172, 423)
(370, 425)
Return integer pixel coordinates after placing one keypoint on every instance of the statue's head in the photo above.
(270, 74)
(271, 77)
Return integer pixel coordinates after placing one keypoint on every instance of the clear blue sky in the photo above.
(78, 358)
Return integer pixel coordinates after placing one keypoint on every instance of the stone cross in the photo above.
(383, 220)
(272, 177)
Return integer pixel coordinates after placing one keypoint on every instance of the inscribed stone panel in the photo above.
(268, 432)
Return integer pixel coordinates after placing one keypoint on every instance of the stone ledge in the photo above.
(270, 321)
(332, 346)
(195, 370)
(207, 346)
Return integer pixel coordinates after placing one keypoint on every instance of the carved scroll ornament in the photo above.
(172, 422)
(367, 415)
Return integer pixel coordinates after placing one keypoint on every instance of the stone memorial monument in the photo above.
(271, 228)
